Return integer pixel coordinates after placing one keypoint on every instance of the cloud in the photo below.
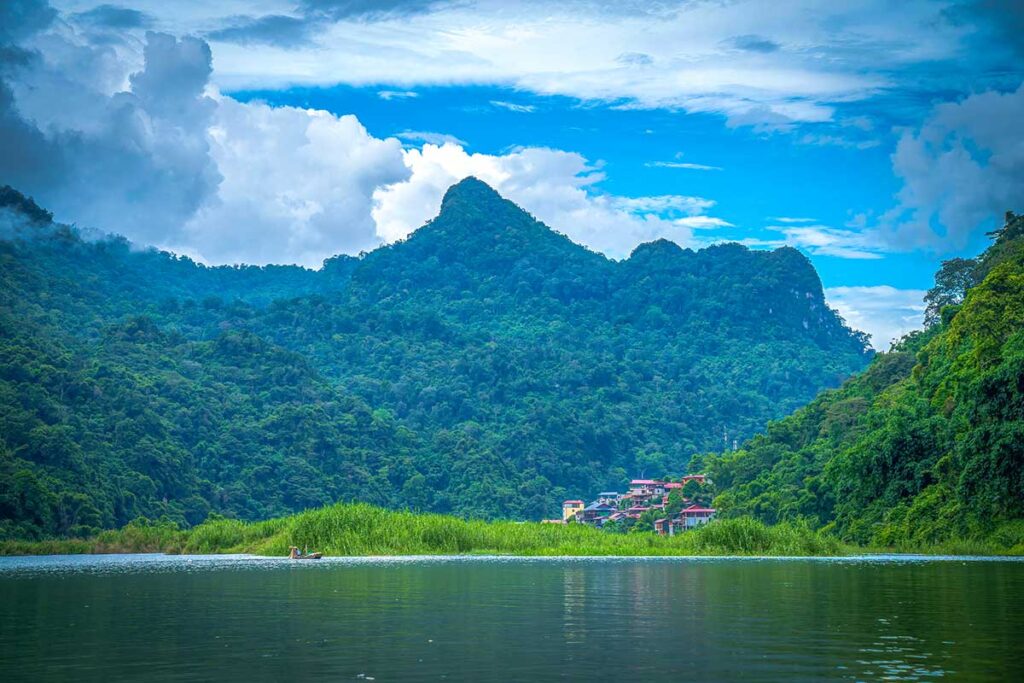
(884, 312)
(682, 165)
(666, 204)
(754, 43)
(19, 20)
(157, 155)
(634, 59)
(297, 186)
(429, 137)
(960, 170)
(279, 30)
(144, 145)
(793, 219)
(114, 17)
(512, 106)
(822, 240)
(703, 222)
(366, 9)
(553, 185)
(707, 57)
(134, 161)
(824, 139)
(397, 94)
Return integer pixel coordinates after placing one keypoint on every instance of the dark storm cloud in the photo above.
(115, 17)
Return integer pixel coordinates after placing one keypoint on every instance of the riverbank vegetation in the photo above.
(358, 529)
(361, 529)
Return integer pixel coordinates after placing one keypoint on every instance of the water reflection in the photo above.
(195, 618)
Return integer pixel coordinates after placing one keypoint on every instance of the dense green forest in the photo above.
(925, 446)
(486, 366)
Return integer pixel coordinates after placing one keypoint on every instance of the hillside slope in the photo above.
(486, 366)
(927, 445)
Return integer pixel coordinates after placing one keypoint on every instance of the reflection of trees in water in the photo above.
(574, 607)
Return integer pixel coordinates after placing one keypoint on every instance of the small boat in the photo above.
(296, 555)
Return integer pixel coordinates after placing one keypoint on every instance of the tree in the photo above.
(691, 489)
(675, 502)
(952, 281)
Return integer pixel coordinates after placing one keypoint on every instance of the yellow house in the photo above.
(570, 508)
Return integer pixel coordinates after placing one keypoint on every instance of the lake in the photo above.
(153, 617)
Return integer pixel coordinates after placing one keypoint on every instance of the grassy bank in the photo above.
(359, 529)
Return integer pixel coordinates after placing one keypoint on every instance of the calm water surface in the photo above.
(146, 617)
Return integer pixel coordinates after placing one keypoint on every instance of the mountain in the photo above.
(927, 445)
(486, 366)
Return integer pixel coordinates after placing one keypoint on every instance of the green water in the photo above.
(478, 619)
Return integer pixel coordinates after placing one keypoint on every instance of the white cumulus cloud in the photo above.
(884, 312)
(297, 186)
(961, 170)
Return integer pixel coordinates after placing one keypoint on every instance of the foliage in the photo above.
(952, 281)
(926, 447)
(361, 529)
(486, 366)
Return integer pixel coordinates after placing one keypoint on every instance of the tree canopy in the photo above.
(486, 366)
(926, 445)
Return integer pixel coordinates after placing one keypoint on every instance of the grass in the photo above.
(359, 529)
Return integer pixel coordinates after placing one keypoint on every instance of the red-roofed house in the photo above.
(696, 515)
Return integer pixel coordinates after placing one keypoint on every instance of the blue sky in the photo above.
(876, 137)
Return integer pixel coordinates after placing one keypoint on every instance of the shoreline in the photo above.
(362, 530)
(870, 557)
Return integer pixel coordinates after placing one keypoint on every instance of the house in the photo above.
(699, 478)
(571, 508)
(616, 516)
(669, 526)
(637, 510)
(595, 513)
(696, 515)
(609, 498)
(641, 489)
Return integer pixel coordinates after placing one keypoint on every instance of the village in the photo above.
(665, 506)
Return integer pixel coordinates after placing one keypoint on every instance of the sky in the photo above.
(878, 138)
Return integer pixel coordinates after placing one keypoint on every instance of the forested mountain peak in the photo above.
(486, 365)
(470, 190)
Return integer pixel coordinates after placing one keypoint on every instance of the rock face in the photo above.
(486, 365)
